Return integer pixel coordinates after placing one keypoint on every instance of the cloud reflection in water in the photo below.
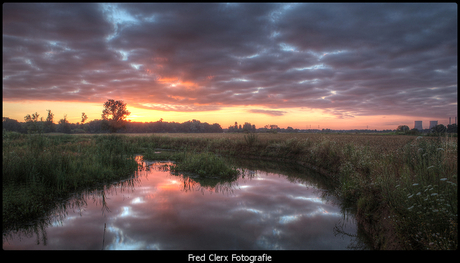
(269, 211)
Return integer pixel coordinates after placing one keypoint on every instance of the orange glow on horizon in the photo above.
(297, 118)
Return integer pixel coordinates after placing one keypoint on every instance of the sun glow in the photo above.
(172, 185)
(175, 82)
(297, 118)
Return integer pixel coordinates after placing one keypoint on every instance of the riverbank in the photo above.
(404, 188)
(40, 170)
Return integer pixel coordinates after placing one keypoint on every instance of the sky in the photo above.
(302, 65)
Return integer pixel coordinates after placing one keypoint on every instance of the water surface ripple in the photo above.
(159, 210)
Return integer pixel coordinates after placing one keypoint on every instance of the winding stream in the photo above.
(264, 209)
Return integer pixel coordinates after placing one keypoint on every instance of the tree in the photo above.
(452, 128)
(439, 130)
(12, 125)
(403, 128)
(94, 126)
(413, 131)
(247, 127)
(64, 125)
(273, 128)
(29, 118)
(215, 127)
(114, 114)
(83, 117)
(32, 124)
(50, 116)
(49, 125)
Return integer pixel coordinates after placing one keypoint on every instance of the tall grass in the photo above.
(37, 169)
(207, 165)
(415, 188)
(404, 186)
(423, 195)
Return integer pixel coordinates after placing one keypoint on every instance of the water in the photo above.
(263, 209)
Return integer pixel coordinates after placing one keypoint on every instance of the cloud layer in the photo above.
(346, 59)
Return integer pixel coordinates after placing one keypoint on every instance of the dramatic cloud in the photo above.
(346, 59)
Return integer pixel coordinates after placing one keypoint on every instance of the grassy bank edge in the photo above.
(384, 187)
(38, 171)
(393, 192)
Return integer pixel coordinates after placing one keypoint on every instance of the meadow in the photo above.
(404, 188)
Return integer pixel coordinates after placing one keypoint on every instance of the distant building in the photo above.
(433, 124)
(418, 125)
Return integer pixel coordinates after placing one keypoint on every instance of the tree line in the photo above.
(438, 130)
(113, 120)
(100, 126)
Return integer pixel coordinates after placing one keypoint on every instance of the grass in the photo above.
(38, 170)
(423, 195)
(206, 165)
(404, 188)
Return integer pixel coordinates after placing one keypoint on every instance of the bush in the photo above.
(251, 139)
(205, 165)
(11, 135)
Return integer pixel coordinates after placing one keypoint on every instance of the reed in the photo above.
(423, 195)
(381, 175)
(207, 165)
(37, 170)
(405, 184)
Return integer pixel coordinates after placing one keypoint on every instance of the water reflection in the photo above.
(154, 209)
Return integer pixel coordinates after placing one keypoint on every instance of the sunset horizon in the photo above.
(305, 66)
(94, 111)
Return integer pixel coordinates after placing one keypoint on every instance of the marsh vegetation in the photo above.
(38, 170)
(404, 188)
(267, 206)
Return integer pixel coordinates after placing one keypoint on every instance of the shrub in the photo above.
(205, 165)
